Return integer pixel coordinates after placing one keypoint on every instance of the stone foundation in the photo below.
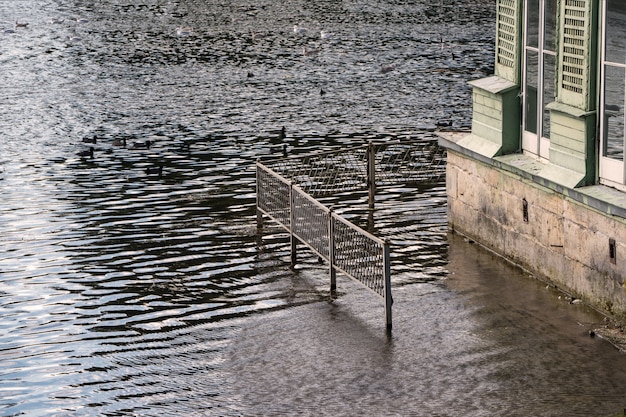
(564, 240)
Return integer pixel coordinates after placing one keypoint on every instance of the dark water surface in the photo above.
(128, 293)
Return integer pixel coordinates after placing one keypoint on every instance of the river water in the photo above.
(124, 292)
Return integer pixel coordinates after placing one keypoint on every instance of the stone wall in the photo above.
(577, 248)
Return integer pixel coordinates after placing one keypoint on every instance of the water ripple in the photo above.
(134, 282)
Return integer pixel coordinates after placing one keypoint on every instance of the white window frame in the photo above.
(534, 143)
(611, 171)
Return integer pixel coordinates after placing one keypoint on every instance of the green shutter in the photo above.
(508, 39)
(575, 54)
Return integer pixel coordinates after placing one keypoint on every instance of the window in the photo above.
(613, 93)
(539, 74)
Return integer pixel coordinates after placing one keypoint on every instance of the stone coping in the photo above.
(606, 200)
(494, 84)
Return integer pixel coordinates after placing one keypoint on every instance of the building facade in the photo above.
(541, 179)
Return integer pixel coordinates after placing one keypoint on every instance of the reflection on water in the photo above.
(486, 341)
(134, 282)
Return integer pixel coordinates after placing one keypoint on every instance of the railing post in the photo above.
(387, 272)
(331, 252)
(371, 173)
(259, 214)
(259, 219)
(292, 219)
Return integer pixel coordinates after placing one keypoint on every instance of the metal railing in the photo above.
(346, 247)
(286, 191)
(273, 196)
(360, 167)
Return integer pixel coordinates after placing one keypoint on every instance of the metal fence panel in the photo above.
(310, 222)
(326, 173)
(286, 190)
(359, 255)
(395, 162)
(273, 195)
(409, 162)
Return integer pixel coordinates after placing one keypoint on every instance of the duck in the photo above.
(326, 35)
(90, 140)
(299, 30)
(310, 51)
(55, 21)
(155, 170)
(184, 31)
(119, 142)
(142, 145)
(73, 38)
(21, 24)
(258, 35)
(384, 69)
(86, 154)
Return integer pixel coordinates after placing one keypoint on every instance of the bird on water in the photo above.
(155, 170)
(299, 30)
(184, 31)
(384, 69)
(119, 142)
(86, 154)
(142, 145)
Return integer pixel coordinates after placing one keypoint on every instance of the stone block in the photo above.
(563, 240)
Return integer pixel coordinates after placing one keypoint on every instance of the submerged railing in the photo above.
(364, 167)
(286, 191)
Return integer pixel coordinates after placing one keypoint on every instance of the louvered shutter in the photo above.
(508, 39)
(575, 54)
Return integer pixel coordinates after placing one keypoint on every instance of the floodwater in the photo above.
(126, 292)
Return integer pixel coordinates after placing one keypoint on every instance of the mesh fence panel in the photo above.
(310, 222)
(409, 162)
(396, 162)
(355, 252)
(326, 173)
(273, 195)
(359, 255)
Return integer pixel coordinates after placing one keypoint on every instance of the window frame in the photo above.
(611, 171)
(535, 143)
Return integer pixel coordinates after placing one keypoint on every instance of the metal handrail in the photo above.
(286, 190)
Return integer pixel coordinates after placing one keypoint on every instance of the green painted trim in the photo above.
(569, 110)
(508, 39)
(495, 116)
(573, 139)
